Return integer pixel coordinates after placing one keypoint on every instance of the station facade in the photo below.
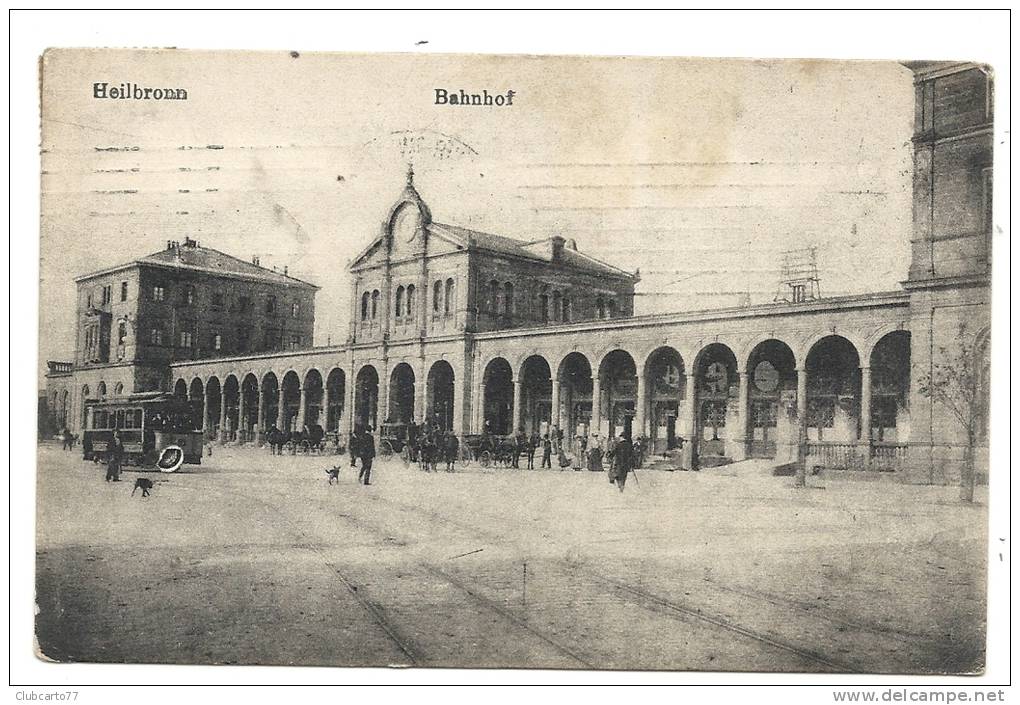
(482, 333)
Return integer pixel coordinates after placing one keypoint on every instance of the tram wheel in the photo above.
(486, 459)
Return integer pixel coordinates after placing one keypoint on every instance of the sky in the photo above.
(696, 173)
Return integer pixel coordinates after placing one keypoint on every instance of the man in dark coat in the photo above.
(533, 443)
(520, 446)
(452, 446)
(352, 447)
(114, 456)
(546, 452)
(622, 453)
(366, 451)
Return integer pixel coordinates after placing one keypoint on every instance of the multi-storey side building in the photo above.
(186, 302)
(486, 333)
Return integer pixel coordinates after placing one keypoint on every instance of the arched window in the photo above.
(448, 300)
(375, 304)
(118, 390)
(566, 309)
(398, 304)
(437, 296)
(556, 306)
(610, 308)
(410, 300)
(494, 296)
(508, 299)
(543, 304)
(364, 306)
(600, 307)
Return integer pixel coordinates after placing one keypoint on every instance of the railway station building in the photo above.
(485, 333)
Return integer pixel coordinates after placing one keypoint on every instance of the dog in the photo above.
(145, 484)
(334, 474)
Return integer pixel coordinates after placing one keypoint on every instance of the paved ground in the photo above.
(255, 559)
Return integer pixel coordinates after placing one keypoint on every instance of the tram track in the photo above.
(636, 595)
(416, 654)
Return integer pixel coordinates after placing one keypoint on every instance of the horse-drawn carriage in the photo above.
(396, 439)
(312, 439)
(489, 450)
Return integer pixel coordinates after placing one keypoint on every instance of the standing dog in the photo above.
(334, 474)
(145, 484)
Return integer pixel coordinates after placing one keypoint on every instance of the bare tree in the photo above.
(957, 381)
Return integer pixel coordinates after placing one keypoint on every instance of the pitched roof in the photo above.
(539, 250)
(204, 259)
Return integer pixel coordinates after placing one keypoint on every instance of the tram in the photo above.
(148, 423)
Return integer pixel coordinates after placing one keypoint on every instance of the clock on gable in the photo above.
(406, 224)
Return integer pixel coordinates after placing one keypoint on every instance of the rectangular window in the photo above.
(107, 294)
(217, 341)
(158, 293)
(123, 291)
(295, 342)
(217, 300)
(270, 304)
(156, 336)
(295, 309)
(243, 303)
(188, 295)
(185, 339)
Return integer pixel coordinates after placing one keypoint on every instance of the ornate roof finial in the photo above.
(410, 174)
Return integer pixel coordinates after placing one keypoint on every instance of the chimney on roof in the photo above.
(188, 242)
(284, 270)
(168, 244)
(557, 247)
(255, 260)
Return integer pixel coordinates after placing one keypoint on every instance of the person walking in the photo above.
(352, 447)
(546, 452)
(452, 446)
(622, 456)
(533, 444)
(114, 456)
(594, 455)
(366, 451)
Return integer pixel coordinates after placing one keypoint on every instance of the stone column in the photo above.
(261, 434)
(349, 386)
(241, 420)
(596, 407)
(382, 402)
(205, 414)
(324, 411)
(516, 415)
(302, 399)
(458, 402)
(223, 416)
(554, 417)
(477, 406)
(640, 406)
(281, 412)
(865, 435)
(740, 439)
(690, 424)
(421, 390)
(801, 480)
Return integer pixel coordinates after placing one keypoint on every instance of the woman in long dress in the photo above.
(594, 455)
